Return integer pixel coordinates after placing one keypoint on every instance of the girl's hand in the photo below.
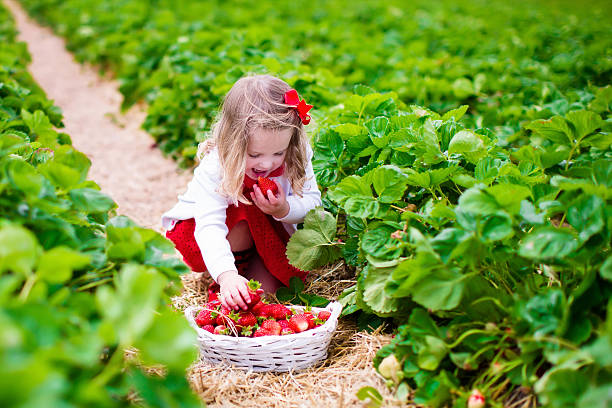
(274, 205)
(234, 292)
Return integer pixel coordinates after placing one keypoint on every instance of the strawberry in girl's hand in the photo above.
(254, 291)
(266, 184)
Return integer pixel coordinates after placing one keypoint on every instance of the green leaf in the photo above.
(429, 282)
(455, 113)
(509, 196)
(377, 129)
(131, 305)
(350, 186)
(377, 242)
(24, 177)
(548, 243)
(19, 250)
(477, 201)
(462, 88)
(168, 331)
(469, 144)
(586, 215)
(313, 246)
(57, 264)
(562, 388)
(555, 129)
(60, 174)
(389, 183)
(370, 396)
(431, 353)
(603, 100)
(596, 397)
(370, 287)
(91, 201)
(606, 269)
(583, 122)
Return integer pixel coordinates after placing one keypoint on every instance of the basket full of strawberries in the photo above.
(267, 336)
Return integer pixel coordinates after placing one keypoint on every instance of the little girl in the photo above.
(224, 223)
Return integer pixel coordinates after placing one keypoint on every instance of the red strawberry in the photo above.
(205, 317)
(246, 319)
(223, 314)
(279, 311)
(324, 315)
(266, 310)
(209, 328)
(266, 184)
(271, 326)
(311, 319)
(261, 332)
(284, 324)
(221, 329)
(257, 308)
(286, 331)
(255, 291)
(298, 323)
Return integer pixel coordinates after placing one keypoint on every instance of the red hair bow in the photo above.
(292, 98)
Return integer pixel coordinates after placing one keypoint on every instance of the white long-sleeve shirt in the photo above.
(208, 207)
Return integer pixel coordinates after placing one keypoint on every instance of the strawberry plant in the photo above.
(491, 260)
(79, 285)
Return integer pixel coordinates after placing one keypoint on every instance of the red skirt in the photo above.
(269, 236)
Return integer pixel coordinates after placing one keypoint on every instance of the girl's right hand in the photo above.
(234, 292)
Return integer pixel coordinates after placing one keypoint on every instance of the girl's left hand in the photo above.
(274, 205)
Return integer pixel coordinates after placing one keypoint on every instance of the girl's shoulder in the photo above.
(209, 165)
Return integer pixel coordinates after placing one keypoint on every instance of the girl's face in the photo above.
(266, 151)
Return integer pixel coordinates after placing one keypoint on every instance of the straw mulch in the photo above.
(333, 383)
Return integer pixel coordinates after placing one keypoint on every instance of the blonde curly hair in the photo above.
(255, 102)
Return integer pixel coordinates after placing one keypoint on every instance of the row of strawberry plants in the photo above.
(78, 285)
(508, 64)
(493, 262)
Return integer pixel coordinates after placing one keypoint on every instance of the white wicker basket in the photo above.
(268, 353)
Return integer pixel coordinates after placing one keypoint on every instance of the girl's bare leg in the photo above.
(240, 239)
(258, 271)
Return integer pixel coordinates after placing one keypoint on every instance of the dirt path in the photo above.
(125, 165)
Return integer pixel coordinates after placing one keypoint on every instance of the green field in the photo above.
(463, 150)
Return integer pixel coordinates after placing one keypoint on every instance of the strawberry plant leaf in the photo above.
(313, 245)
(547, 243)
